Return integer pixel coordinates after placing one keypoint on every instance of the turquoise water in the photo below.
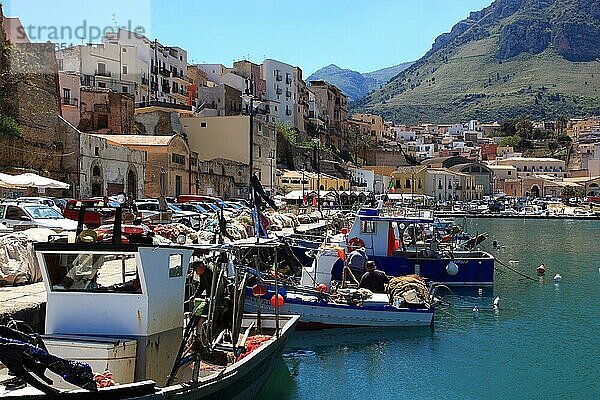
(542, 343)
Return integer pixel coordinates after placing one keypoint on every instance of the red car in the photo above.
(93, 217)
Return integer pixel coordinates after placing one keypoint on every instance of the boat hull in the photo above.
(315, 315)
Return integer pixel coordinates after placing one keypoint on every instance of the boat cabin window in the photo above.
(367, 227)
(93, 273)
(175, 265)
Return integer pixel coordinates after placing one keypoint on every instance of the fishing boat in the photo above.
(320, 303)
(402, 245)
(115, 328)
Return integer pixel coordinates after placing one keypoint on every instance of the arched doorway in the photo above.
(96, 181)
(535, 191)
(131, 184)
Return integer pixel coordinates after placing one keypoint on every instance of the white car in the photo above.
(34, 215)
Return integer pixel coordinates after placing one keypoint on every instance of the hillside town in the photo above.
(130, 114)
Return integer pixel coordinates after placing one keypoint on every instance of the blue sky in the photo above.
(363, 35)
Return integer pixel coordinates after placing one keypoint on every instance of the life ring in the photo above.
(355, 243)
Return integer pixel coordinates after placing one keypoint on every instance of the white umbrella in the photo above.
(31, 180)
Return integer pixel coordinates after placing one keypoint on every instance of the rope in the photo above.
(515, 271)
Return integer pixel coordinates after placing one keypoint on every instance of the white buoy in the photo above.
(497, 302)
(557, 278)
(475, 312)
(452, 268)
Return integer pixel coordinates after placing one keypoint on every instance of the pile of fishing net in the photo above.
(18, 263)
(352, 296)
(409, 289)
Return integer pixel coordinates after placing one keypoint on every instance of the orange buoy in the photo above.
(321, 287)
(278, 302)
(259, 290)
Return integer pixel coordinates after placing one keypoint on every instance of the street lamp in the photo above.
(271, 158)
(249, 99)
(318, 142)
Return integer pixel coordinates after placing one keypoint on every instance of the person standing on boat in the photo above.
(357, 261)
(373, 279)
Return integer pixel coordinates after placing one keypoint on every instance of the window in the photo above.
(96, 151)
(60, 65)
(101, 69)
(178, 159)
(99, 273)
(124, 50)
(202, 124)
(102, 85)
(124, 69)
(13, 212)
(96, 171)
(367, 227)
(124, 89)
(509, 173)
(66, 95)
(102, 121)
(407, 184)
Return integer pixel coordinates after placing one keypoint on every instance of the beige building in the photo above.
(229, 137)
(373, 125)
(441, 184)
(169, 165)
(288, 180)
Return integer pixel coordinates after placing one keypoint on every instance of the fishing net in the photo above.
(399, 288)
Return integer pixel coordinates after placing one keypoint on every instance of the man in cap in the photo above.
(373, 279)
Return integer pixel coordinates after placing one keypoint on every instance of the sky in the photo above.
(363, 35)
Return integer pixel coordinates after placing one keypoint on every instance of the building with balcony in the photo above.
(529, 166)
(224, 99)
(105, 66)
(280, 80)
(167, 66)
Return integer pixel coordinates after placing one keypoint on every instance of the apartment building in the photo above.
(375, 125)
(168, 81)
(529, 166)
(106, 66)
(280, 79)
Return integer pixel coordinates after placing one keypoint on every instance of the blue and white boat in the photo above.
(402, 246)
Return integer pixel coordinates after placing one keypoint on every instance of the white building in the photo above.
(106, 66)
(167, 64)
(456, 130)
(402, 135)
(107, 169)
(281, 87)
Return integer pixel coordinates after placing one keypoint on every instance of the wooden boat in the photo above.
(131, 296)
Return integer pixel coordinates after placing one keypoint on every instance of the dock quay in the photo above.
(517, 216)
(25, 303)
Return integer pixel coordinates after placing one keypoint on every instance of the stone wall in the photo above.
(222, 178)
(105, 111)
(157, 122)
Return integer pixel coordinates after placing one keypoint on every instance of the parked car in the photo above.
(195, 207)
(92, 217)
(34, 215)
(49, 201)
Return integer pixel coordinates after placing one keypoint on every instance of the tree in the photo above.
(511, 141)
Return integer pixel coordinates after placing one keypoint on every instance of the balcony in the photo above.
(154, 69)
(154, 86)
(278, 77)
(288, 112)
(145, 80)
(279, 91)
(288, 93)
(165, 72)
(166, 88)
(288, 80)
(163, 104)
(102, 73)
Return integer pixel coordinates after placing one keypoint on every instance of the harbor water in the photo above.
(542, 342)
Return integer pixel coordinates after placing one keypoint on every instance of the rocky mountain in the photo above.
(536, 58)
(354, 84)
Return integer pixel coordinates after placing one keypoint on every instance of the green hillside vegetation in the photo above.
(477, 76)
